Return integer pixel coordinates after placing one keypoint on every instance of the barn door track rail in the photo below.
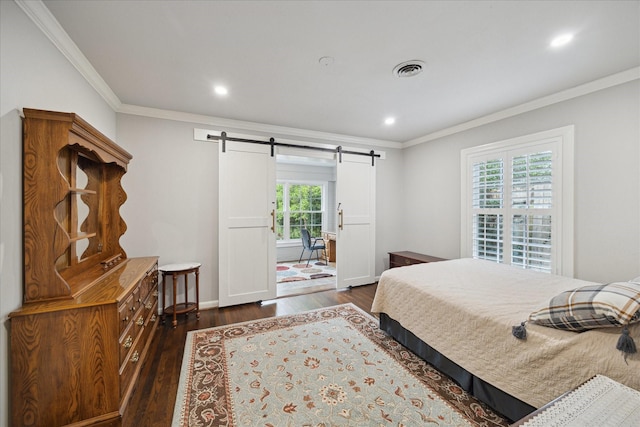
(273, 143)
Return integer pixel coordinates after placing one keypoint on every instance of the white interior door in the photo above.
(355, 237)
(247, 243)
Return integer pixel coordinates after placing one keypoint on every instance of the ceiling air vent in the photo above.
(408, 68)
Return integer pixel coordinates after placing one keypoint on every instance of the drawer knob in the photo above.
(135, 357)
(128, 342)
(148, 305)
(153, 318)
(126, 319)
(140, 321)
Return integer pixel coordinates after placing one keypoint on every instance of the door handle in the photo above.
(340, 219)
(273, 220)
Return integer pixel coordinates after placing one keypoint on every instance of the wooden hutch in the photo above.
(89, 312)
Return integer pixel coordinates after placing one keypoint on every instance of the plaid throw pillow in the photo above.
(590, 307)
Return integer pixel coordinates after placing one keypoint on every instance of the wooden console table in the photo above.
(175, 270)
(403, 258)
(330, 245)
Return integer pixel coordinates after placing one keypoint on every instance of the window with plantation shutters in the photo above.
(531, 210)
(516, 199)
(488, 212)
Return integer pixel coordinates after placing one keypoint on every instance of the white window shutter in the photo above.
(513, 197)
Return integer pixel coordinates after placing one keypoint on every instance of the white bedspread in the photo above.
(465, 309)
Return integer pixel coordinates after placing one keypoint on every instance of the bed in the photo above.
(459, 314)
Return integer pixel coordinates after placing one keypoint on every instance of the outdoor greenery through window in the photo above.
(298, 205)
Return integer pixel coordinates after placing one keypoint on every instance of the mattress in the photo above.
(465, 310)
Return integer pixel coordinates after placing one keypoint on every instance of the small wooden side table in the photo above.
(175, 270)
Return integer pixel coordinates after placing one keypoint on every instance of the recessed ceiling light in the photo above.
(389, 121)
(221, 90)
(561, 40)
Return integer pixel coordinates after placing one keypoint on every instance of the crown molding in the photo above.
(260, 128)
(49, 25)
(585, 89)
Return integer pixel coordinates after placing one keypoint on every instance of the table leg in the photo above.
(197, 293)
(164, 304)
(186, 293)
(175, 306)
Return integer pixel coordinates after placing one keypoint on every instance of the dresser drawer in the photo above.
(126, 342)
(125, 314)
(137, 302)
(130, 364)
(127, 310)
(149, 321)
(134, 313)
(136, 353)
(144, 288)
(149, 285)
(399, 261)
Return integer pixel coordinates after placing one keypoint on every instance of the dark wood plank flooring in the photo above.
(153, 399)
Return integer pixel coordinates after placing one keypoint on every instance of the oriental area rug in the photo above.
(327, 367)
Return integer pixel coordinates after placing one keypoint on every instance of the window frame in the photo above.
(287, 240)
(561, 143)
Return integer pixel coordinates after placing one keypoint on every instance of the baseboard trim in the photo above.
(209, 304)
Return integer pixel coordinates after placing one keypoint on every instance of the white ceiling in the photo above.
(482, 57)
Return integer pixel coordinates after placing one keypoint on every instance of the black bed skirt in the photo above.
(505, 404)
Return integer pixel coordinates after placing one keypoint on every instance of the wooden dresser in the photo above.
(89, 312)
(77, 359)
(403, 258)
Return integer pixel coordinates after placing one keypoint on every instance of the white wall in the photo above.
(607, 181)
(390, 207)
(33, 74)
(172, 196)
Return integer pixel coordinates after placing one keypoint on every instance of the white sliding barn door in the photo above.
(247, 242)
(356, 237)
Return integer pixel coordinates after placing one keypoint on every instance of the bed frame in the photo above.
(507, 405)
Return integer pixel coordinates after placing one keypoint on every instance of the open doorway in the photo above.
(305, 199)
(247, 213)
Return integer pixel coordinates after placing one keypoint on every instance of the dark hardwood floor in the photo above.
(154, 397)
